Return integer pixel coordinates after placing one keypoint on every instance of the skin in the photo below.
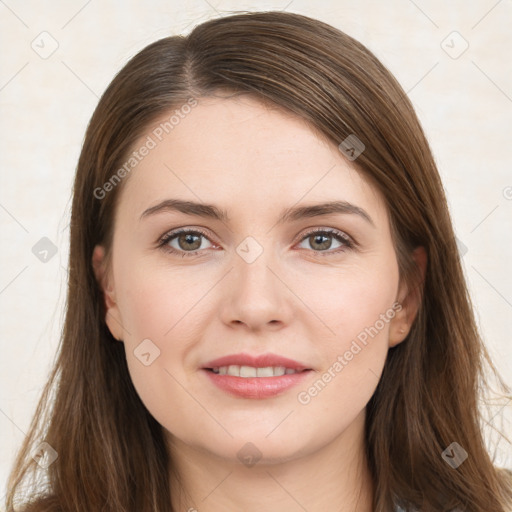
(295, 300)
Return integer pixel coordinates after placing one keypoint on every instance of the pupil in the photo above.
(324, 245)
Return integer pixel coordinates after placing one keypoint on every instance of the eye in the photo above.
(321, 240)
(187, 242)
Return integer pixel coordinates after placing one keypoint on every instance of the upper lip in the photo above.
(259, 361)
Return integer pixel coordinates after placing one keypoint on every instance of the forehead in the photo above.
(243, 152)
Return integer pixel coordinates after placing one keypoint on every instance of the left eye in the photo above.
(323, 240)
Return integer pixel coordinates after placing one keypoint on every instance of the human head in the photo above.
(340, 89)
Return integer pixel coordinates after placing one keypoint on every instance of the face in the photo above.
(185, 287)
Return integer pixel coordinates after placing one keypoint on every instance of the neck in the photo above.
(332, 477)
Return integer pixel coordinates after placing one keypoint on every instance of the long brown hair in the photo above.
(112, 454)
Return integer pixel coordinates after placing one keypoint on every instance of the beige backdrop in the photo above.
(58, 57)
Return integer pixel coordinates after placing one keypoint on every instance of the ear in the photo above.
(409, 300)
(105, 280)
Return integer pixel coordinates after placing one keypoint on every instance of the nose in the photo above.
(256, 296)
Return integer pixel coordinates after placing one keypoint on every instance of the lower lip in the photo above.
(256, 387)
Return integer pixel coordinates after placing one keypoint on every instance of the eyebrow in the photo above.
(287, 215)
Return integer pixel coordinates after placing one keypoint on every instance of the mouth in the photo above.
(255, 376)
(255, 382)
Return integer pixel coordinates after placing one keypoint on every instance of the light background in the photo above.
(464, 104)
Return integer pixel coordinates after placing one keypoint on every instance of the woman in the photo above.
(219, 352)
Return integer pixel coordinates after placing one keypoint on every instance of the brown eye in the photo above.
(185, 242)
(321, 240)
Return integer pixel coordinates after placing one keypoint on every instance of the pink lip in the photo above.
(255, 387)
(261, 361)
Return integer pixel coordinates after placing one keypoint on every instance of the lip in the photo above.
(259, 361)
(255, 387)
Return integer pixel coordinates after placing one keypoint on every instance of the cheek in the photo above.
(157, 302)
(364, 307)
(357, 307)
(353, 299)
(160, 309)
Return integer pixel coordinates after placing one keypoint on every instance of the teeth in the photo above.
(250, 371)
(279, 370)
(265, 372)
(247, 371)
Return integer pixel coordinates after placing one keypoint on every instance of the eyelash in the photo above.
(338, 235)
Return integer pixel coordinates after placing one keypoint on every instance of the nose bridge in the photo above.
(253, 266)
(257, 296)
